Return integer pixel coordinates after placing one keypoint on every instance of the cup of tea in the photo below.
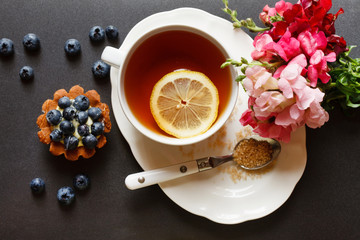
(147, 55)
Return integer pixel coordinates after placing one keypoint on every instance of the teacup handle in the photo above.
(112, 56)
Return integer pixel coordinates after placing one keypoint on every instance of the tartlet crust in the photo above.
(57, 148)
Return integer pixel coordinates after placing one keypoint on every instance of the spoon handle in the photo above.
(147, 178)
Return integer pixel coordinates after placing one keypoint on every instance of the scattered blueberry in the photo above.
(6, 47)
(65, 195)
(81, 103)
(82, 117)
(81, 182)
(64, 102)
(94, 113)
(97, 34)
(31, 42)
(100, 69)
(83, 130)
(53, 117)
(67, 127)
(56, 135)
(111, 32)
(69, 113)
(37, 185)
(90, 141)
(26, 73)
(97, 128)
(72, 47)
(71, 142)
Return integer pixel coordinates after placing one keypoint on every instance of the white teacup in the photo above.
(154, 26)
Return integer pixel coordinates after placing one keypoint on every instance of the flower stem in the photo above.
(248, 23)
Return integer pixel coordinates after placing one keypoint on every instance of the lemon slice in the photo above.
(184, 103)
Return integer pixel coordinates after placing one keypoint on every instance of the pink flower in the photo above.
(247, 118)
(267, 50)
(291, 80)
(276, 112)
(290, 45)
(299, 59)
(316, 116)
(270, 102)
(258, 80)
(292, 117)
(280, 8)
(306, 96)
(310, 42)
(271, 130)
(318, 68)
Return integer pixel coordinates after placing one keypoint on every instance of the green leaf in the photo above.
(350, 103)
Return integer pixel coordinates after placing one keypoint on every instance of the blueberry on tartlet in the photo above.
(56, 135)
(54, 117)
(90, 141)
(81, 103)
(64, 102)
(82, 117)
(94, 113)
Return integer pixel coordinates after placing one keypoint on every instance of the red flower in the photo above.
(328, 25)
(336, 44)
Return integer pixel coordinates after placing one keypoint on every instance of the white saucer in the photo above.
(215, 194)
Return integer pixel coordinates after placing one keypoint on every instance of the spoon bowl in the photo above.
(275, 147)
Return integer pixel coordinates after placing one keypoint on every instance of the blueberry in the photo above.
(56, 135)
(69, 113)
(81, 182)
(97, 128)
(71, 142)
(90, 141)
(67, 127)
(26, 73)
(97, 34)
(82, 117)
(72, 47)
(6, 47)
(81, 103)
(64, 102)
(66, 195)
(53, 117)
(94, 113)
(100, 69)
(37, 185)
(31, 42)
(111, 32)
(83, 130)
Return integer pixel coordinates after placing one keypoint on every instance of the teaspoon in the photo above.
(151, 177)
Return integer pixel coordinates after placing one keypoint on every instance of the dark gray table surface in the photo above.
(325, 204)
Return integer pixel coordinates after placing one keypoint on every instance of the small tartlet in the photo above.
(57, 148)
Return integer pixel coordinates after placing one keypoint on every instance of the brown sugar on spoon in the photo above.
(74, 123)
(251, 153)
